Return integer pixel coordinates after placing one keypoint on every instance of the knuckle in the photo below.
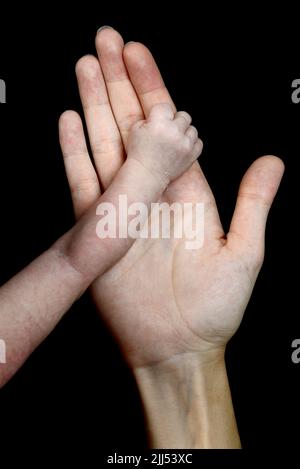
(107, 146)
(161, 128)
(185, 146)
(188, 143)
(159, 108)
(187, 116)
(184, 114)
(84, 186)
(199, 144)
(193, 130)
(177, 138)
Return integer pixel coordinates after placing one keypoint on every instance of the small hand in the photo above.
(165, 144)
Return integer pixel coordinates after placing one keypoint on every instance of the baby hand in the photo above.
(165, 144)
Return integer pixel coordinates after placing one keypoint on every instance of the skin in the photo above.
(172, 310)
(33, 301)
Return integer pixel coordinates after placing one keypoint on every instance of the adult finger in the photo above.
(82, 177)
(122, 96)
(104, 136)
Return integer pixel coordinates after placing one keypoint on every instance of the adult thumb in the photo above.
(256, 194)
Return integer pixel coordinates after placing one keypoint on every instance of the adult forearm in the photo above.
(188, 403)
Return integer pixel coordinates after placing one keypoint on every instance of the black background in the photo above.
(232, 70)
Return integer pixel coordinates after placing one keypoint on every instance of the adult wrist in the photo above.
(187, 402)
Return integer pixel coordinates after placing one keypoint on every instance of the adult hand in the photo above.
(172, 310)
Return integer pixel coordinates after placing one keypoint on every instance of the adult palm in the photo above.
(160, 299)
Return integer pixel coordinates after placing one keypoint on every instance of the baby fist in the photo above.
(165, 144)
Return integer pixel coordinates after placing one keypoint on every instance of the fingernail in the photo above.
(130, 42)
(104, 27)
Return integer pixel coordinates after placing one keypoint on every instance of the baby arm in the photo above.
(31, 303)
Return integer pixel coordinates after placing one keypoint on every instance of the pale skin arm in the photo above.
(174, 328)
(33, 301)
